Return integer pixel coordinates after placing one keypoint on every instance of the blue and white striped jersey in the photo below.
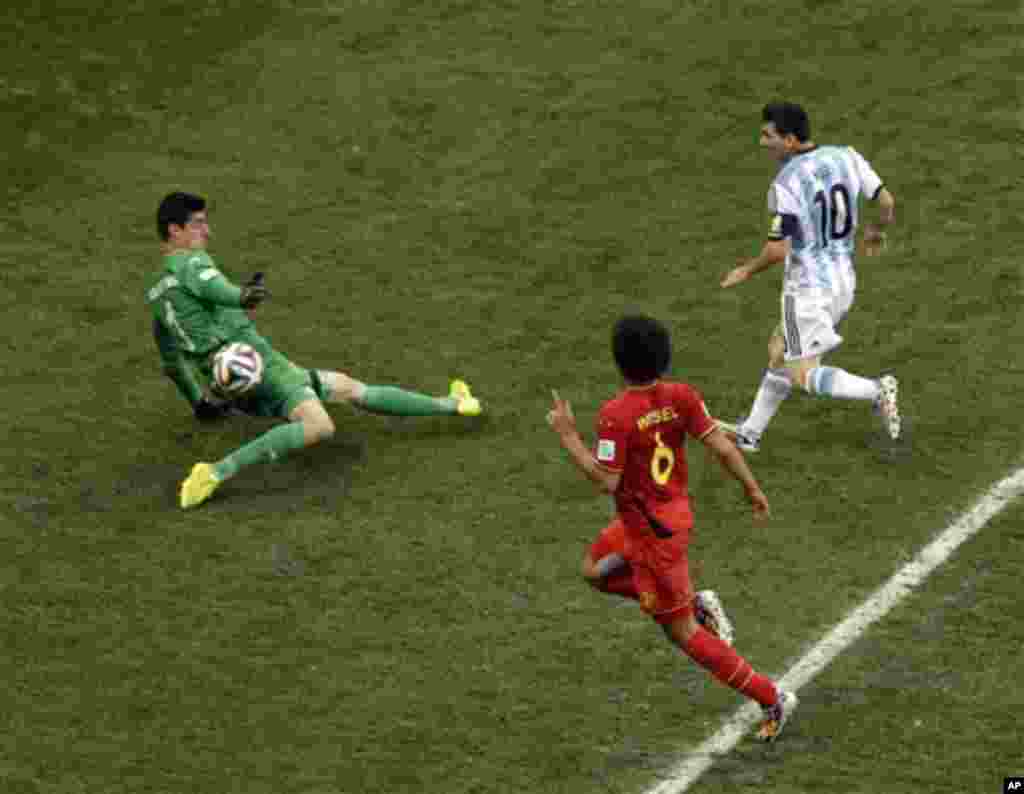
(814, 199)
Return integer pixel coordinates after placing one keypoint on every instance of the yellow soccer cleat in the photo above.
(468, 405)
(199, 486)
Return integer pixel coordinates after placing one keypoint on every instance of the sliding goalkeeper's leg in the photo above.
(308, 424)
(338, 387)
(273, 445)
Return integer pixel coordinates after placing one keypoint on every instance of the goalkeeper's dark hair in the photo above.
(789, 119)
(176, 208)
(642, 348)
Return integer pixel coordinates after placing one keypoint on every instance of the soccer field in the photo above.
(473, 189)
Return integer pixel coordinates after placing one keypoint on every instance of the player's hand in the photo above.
(207, 410)
(560, 417)
(874, 239)
(760, 504)
(737, 275)
(254, 292)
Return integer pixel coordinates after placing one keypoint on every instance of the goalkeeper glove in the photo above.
(253, 292)
(206, 410)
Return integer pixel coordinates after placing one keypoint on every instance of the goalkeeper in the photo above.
(197, 311)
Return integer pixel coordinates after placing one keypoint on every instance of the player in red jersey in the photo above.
(640, 459)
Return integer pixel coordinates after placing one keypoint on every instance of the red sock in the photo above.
(729, 667)
(620, 584)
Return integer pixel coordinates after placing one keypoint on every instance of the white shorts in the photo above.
(809, 323)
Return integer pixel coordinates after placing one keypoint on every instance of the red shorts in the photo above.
(661, 568)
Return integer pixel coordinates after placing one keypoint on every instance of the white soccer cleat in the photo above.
(709, 612)
(776, 716)
(743, 441)
(887, 405)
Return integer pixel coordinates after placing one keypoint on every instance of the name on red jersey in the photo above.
(656, 417)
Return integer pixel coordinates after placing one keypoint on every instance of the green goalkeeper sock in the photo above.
(272, 445)
(399, 402)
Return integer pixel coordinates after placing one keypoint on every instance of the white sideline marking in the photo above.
(696, 763)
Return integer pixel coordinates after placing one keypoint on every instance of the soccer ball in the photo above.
(236, 369)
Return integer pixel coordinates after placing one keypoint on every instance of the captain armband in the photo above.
(783, 226)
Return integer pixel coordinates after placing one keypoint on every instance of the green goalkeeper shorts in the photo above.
(284, 385)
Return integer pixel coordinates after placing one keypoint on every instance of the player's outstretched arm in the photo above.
(732, 461)
(874, 233)
(887, 206)
(563, 422)
(213, 287)
(773, 253)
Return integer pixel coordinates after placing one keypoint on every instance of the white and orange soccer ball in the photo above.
(237, 368)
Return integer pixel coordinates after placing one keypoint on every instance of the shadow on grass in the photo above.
(889, 451)
(417, 427)
(319, 477)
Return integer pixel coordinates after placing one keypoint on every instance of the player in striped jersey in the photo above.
(813, 200)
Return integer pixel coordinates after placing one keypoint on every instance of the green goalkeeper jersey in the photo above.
(195, 310)
(196, 304)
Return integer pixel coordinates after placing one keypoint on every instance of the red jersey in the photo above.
(641, 435)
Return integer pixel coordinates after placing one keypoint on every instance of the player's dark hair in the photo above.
(176, 208)
(642, 348)
(789, 119)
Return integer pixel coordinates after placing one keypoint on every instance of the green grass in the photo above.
(947, 655)
(480, 189)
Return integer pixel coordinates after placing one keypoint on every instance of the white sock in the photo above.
(835, 382)
(775, 387)
(333, 380)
